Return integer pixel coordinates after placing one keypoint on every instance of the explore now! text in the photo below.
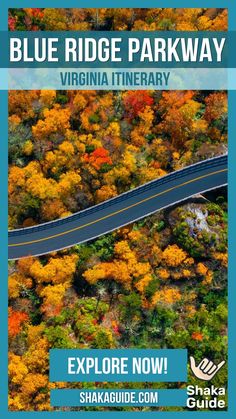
(113, 365)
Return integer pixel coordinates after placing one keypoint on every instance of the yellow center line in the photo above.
(118, 211)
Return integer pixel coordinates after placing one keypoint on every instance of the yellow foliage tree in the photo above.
(56, 121)
(47, 97)
(16, 368)
(167, 295)
(173, 256)
(53, 299)
(105, 192)
(58, 270)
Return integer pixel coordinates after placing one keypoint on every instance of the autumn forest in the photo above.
(158, 283)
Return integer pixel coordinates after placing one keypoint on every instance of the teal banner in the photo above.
(118, 365)
(110, 397)
(116, 49)
(120, 79)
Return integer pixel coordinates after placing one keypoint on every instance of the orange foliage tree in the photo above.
(16, 320)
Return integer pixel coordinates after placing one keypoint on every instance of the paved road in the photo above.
(114, 213)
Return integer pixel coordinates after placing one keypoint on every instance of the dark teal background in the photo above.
(231, 4)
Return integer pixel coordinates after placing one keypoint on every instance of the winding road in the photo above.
(119, 211)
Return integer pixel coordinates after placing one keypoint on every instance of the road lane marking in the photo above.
(117, 212)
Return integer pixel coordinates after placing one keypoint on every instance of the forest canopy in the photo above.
(160, 282)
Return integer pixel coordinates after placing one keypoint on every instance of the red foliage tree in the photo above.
(136, 101)
(98, 158)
